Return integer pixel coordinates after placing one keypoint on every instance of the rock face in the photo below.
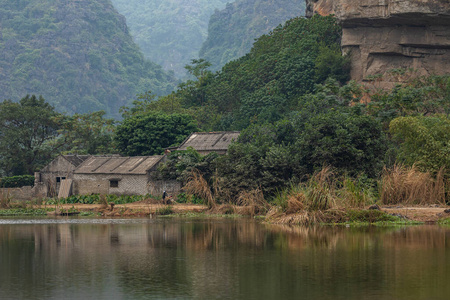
(392, 36)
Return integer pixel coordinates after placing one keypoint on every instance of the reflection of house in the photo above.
(121, 176)
(48, 180)
(207, 142)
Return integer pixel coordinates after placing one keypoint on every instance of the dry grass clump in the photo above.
(198, 186)
(407, 185)
(103, 201)
(303, 218)
(225, 209)
(253, 202)
(5, 199)
(317, 194)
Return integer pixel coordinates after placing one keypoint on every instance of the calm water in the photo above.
(219, 259)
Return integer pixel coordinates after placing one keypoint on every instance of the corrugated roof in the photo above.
(118, 165)
(209, 141)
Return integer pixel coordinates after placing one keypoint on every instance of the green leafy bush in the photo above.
(17, 181)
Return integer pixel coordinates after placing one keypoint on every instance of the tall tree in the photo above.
(89, 133)
(26, 129)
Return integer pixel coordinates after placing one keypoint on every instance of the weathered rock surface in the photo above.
(407, 36)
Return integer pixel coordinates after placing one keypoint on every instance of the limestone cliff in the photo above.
(411, 36)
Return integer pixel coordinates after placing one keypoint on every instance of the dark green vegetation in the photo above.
(24, 212)
(26, 129)
(17, 181)
(233, 30)
(150, 134)
(95, 199)
(291, 98)
(169, 33)
(32, 133)
(78, 55)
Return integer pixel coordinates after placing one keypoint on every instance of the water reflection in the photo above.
(220, 259)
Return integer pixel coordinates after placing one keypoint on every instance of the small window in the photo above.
(114, 183)
(58, 179)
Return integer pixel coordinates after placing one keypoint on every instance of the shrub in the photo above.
(164, 211)
(17, 181)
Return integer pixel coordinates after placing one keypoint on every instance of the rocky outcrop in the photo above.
(392, 36)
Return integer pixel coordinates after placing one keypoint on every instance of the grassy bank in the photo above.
(402, 195)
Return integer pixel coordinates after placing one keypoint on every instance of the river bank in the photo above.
(402, 214)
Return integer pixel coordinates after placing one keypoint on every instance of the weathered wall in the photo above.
(59, 167)
(171, 187)
(386, 35)
(86, 184)
(17, 194)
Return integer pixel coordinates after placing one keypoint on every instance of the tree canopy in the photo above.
(152, 133)
(26, 129)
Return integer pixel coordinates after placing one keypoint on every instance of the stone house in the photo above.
(207, 142)
(121, 176)
(48, 180)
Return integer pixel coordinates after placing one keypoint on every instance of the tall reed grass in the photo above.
(5, 199)
(408, 185)
(253, 202)
(316, 194)
(323, 191)
(198, 186)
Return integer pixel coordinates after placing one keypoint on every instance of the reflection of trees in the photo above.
(231, 258)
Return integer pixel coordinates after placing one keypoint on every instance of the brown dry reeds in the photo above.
(319, 190)
(5, 199)
(198, 186)
(253, 202)
(103, 201)
(317, 194)
(407, 185)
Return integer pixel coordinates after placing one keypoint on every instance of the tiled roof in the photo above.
(118, 165)
(209, 141)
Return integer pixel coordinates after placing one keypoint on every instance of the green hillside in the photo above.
(78, 55)
(169, 32)
(233, 30)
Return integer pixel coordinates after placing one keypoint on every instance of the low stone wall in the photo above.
(17, 194)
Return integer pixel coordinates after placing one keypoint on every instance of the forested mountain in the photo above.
(78, 55)
(233, 30)
(169, 32)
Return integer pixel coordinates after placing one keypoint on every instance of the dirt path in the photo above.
(419, 213)
(131, 209)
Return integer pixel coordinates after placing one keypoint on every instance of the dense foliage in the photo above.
(26, 129)
(17, 181)
(232, 31)
(32, 133)
(267, 83)
(169, 33)
(152, 133)
(78, 54)
(424, 141)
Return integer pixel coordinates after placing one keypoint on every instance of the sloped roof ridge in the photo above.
(223, 133)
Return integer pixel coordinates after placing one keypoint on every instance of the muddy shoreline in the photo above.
(425, 214)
